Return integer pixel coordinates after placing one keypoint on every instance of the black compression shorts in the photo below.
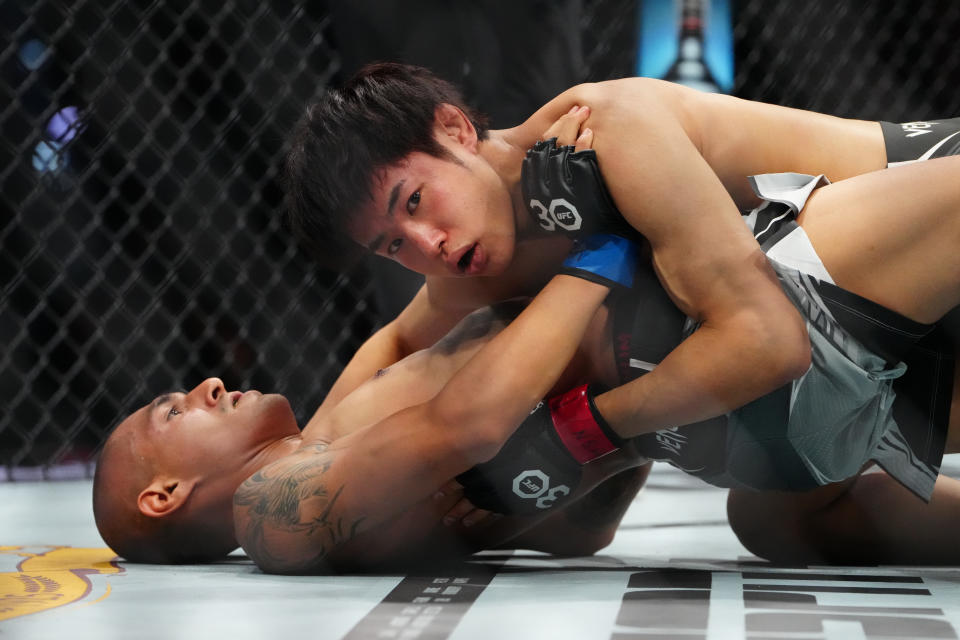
(917, 141)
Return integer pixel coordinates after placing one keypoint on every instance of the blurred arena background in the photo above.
(142, 245)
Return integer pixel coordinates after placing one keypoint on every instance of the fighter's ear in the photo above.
(454, 124)
(163, 496)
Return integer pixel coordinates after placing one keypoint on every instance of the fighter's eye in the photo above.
(394, 246)
(413, 201)
(173, 412)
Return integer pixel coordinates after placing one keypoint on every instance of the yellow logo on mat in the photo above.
(51, 578)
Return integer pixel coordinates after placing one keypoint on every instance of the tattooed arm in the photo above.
(298, 514)
(282, 513)
(293, 514)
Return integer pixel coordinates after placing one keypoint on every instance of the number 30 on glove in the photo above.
(565, 193)
(539, 466)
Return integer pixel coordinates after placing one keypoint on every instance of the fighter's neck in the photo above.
(275, 450)
(504, 150)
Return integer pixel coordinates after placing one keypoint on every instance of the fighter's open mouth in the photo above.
(464, 262)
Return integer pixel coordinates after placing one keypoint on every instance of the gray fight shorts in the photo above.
(879, 386)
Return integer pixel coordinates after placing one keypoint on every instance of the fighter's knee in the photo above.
(765, 527)
(790, 528)
(747, 522)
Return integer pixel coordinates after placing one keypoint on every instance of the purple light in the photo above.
(63, 126)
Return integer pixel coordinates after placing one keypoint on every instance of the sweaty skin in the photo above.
(418, 378)
(675, 161)
(312, 510)
(359, 491)
(365, 486)
(850, 521)
(178, 462)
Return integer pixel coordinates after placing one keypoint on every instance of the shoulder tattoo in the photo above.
(295, 501)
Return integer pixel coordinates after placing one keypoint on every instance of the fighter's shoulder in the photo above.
(272, 524)
(612, 91)
(630, 107)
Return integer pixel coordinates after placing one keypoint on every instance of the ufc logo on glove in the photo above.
(533, 484)
(559, 214)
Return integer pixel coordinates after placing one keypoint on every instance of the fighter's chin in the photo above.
(278, 414)
(492, 260)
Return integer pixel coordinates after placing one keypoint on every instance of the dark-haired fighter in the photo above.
(355, 490)
(165, 481)
(398, 163)
(880, 247)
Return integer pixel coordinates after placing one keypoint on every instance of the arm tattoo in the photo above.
(480, 324)
(295, 501)
(476, 325)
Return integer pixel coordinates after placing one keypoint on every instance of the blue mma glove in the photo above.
(538, 467)
(565, 193)
(606, 259)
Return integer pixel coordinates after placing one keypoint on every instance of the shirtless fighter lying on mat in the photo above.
(324, 505)
(166, 477)
(397, 161)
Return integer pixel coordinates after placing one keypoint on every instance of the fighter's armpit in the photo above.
(286, 515)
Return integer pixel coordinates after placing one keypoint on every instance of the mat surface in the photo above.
(675, 571)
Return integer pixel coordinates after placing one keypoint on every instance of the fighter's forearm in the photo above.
(499, 386)
(381, 350)
(417, 327)
(712, 372)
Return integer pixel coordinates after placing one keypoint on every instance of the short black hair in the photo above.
(381, 115)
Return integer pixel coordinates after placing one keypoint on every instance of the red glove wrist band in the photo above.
(577, 426)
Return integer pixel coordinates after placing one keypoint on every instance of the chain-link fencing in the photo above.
(141, 238)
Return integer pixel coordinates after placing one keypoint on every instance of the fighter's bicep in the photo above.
(666, 190)
(399, 461)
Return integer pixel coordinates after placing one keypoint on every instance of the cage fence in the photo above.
(142, 245)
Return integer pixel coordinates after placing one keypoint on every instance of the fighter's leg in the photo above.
(951, 326)
(871, 519)
(893, 236)
(775, 525)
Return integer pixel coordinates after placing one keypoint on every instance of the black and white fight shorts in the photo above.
(910, 142)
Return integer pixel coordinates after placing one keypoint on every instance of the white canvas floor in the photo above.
(674, 571)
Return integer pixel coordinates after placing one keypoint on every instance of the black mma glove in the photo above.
(565, 193)
(538, 467)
